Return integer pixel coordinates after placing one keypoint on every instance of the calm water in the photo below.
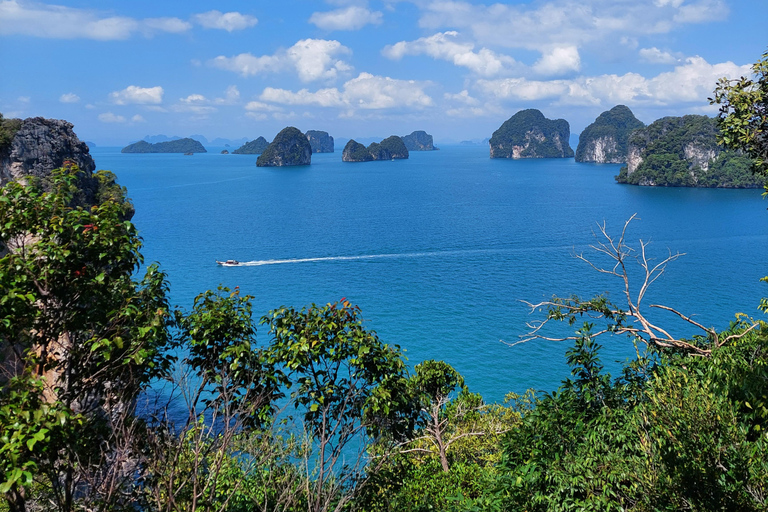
(440, 250)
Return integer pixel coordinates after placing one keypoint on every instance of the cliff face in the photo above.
(41, 145)
(418, 141)
(683, 152)
(528, 134)
(289, 148)
(320, 141)
(355, 152)
(605, 141)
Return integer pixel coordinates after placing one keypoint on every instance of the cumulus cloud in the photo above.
(312, 59)
(231, 96)
(69, 98)
(366, 91)
(690, 82)
(562, 23)
(258, 106)
(60, 22)
(351, 18)
(229, 21)
(109, 117)
(447, 46)
(558, 61)
(462, 97)
(138, 119)
(138, 95)
(656, 56)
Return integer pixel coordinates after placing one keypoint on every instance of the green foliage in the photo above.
(356, 152)
(185, 145)
(8, 129)
(254, 147)
(743, 116)
(529, 129)
(616, 124)
(666, 146)
(395, 146)
(290, 147)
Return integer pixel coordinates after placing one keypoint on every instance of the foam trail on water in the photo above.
(338, 258)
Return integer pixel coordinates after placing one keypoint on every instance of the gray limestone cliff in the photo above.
(391, 148)
(606, 140)
(528, 134)
(320, 141)
(289, 148)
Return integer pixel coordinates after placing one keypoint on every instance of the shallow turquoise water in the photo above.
(440, 250)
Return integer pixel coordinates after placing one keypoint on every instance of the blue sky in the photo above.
(121, 70)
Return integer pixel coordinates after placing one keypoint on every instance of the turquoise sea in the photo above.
(441, 249)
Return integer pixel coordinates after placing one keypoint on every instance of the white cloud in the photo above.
(258, 106)
(231, 96)
(550, 23)
(138, 119)
(462, 97)
(139, 95)
(367, 92)
(109, 117)
(559, 60)
(352, 18)
(60, 22)
(229, 21)
(447, 46)
(69, 97)
(656, 56)
(691, 82)
(312, 59)
(315, 59)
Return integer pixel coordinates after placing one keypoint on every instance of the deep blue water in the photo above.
(440, 250)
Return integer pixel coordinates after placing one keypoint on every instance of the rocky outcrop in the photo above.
(320, 141)
(605, 140)
(224, 151)
(355, 152)
(38, 146)
(683, 152)
(419, 141)
(254, 147)
(289, 148)
(391, 148)
(41, 145)
(185, 146)
(528, 134)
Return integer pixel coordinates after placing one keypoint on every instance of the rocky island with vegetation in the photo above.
(320, 141)
(606, 140)
(254, 147)
(419, 141)
(185, 146)
(290, 147)
(391, 148)
(684, 152)
(528, 134)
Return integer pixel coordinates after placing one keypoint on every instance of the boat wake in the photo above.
(258, 263)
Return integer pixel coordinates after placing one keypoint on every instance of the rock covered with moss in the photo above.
(185, 146)
(320, 141)
(683, 152)
(528, 134)
(290, 147)
(606, 140)
(390, 148)
(419, 141)
(254, 147)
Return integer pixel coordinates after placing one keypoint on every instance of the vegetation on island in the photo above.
(611, 132)
(254, 147)
(325, 416)
(185, 145)
(289, 147)
(419, 140)
(8, 129)
(684, 152)
(390, 148)
(528, 134)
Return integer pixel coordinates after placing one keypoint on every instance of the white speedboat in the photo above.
(228, 263)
